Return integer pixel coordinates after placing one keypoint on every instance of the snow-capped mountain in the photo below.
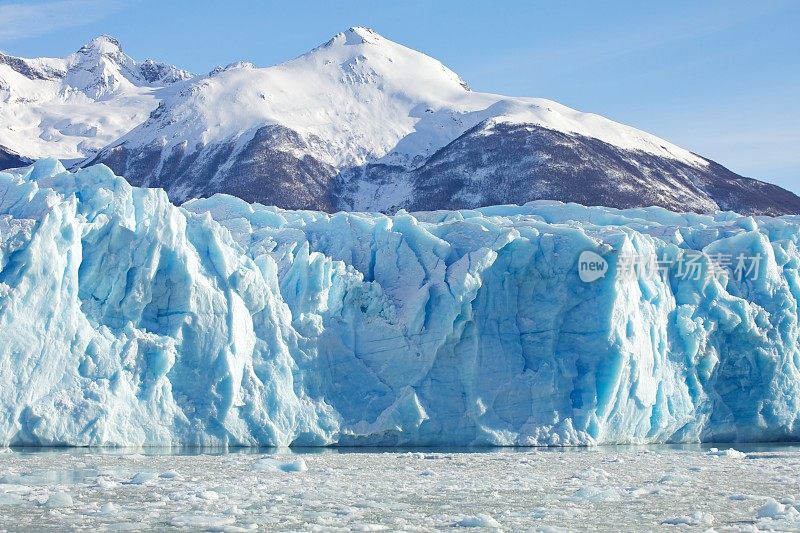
(71, 107)
(363, 123)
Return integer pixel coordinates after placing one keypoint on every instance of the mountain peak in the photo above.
(366, 35)
(102, 44)
(354, 36)
(101, 67)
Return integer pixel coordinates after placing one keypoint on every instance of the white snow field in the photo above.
(353, 99)
(598, 489)
(129, 321)
(361, 97)
(71, 107)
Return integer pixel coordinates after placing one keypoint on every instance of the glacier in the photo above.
(127, 320)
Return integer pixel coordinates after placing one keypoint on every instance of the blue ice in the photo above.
(126, 320)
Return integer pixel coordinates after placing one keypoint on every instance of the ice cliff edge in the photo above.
(125, 320)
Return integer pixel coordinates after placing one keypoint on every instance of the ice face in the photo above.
(126, 320)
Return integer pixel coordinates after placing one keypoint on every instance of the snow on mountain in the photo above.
(129, 321)
(358, 123)
(71, 107)
(360, 95)
(361, 122)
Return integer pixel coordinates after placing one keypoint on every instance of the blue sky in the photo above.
(721, 78)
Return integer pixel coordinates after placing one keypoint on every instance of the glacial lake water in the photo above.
(339, 489)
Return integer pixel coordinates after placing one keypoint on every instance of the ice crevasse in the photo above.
(126, 320)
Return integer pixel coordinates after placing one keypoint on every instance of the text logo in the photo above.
(591, 266)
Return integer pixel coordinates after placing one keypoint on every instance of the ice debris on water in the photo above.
(142, 478)
(775, 510)
(730, 452)
(276, 465)
(367, 491)
(479, 520)
(696, 518)
(596, 494)
(59, 500)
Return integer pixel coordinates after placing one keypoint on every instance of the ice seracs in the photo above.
(130, 321)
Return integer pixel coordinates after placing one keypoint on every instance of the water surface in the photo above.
(418, 489)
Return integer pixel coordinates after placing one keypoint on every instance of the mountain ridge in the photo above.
(72, 106)
(363, 123)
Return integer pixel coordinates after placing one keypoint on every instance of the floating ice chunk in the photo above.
(697, 518)
(108, 508)
(592, 474)
(59, 500)
(596, 494)
(266, 464)
(479, 520)
(207, 522)
(11, 499)
(730, 452)
(675, 479)
(142, 478)
(775, 510)
(638, 492)
(771, 509)
(170, 474)
(274, 465)
(209, 495)
(295, 466)
(105, 482)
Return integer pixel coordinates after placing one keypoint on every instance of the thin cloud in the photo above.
(21, 21)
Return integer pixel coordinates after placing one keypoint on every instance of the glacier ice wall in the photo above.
(125, 320)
